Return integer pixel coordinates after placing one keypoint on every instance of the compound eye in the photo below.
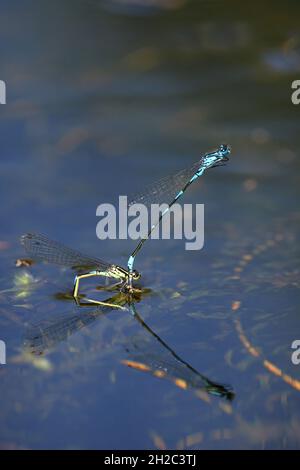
(136, 275)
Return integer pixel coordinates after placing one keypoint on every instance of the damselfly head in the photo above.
(224, 151)
(135, 275)
(217, 158)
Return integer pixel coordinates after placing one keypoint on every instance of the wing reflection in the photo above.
(46, 334)
(146, 350)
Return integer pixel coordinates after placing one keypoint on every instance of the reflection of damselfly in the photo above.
(168, 190)
(145, 349)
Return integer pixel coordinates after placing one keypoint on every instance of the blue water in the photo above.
(102, 99)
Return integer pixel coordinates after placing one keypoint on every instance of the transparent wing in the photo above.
(47, 334)
(41, 247)
(165, 189)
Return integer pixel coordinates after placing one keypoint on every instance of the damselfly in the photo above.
(170, 189)
(42, 248)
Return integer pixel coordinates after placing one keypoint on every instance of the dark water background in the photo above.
(104, 97)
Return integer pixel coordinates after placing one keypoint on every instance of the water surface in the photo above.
(104, 97)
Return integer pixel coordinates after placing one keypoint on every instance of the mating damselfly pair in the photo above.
(169, 190)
